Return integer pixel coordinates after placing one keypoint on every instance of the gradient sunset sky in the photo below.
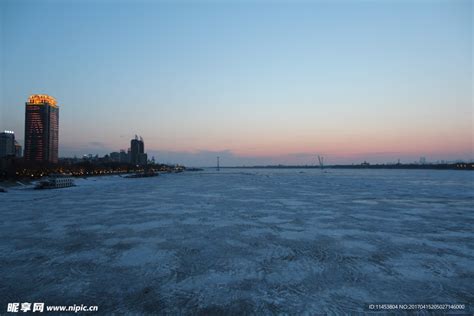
(255, 82)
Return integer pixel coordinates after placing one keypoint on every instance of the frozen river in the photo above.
(242, 241)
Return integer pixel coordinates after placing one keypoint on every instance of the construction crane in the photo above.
(321, 161)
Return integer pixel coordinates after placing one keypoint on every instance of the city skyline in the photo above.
(252, 83)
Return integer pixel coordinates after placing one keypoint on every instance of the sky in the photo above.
(254, 82)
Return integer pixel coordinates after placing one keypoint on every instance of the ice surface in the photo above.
(242, 241)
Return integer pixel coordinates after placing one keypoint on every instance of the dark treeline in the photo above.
(444, 166)
(440, 166)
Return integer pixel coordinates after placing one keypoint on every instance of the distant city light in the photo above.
(9, 132)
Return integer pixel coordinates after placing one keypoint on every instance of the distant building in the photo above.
(41, 129)
(124, 156)
(137, 151)
(115, 156)
(142, 159)
(7, 144)
(90, 157)
(18, 150)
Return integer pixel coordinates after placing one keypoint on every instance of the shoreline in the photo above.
(453, 166)
(12, 183)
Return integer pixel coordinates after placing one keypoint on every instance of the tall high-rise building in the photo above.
(137, 151)
(7, 144)
(41, 129)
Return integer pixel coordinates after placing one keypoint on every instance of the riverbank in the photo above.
(12, 183)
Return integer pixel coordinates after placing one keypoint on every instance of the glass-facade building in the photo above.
(41, 129)
(137, 151)
(7, 144)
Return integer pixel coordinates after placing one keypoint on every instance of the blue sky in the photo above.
(252, 81)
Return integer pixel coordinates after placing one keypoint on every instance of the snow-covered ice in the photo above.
(250, 241)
